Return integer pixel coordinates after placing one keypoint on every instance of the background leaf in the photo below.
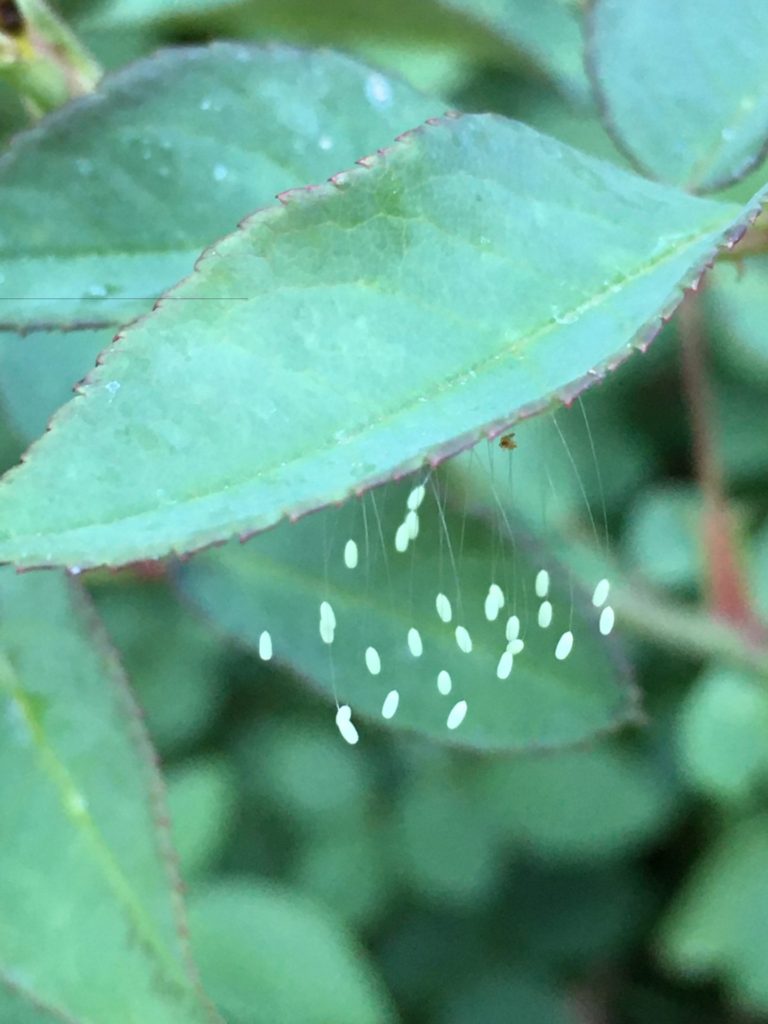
(683, 86)
(409, 33)
(97, 897)
(718, 924)
(109, 201)
(723, 734)
(38, 374)
(737, 303)
(448, 240)
(254, 942)
(277, 581)
(548, 32)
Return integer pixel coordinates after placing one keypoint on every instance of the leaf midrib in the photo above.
(449, 384)
(59, 777)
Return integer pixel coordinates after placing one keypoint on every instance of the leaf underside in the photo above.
(686, 104)
(444, 288)
(277, 581)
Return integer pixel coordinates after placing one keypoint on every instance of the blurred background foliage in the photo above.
(623, 882)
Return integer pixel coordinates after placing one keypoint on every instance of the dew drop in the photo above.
(378, 90)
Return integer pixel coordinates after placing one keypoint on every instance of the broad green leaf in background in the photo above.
(201, 799)
(445, 287)
(351, 872)
(174, 664)
(267, 956)
(723, 734)
(719, 924)
(38, 374)
(547, 802)
(499, 995)
(92, 925)
(303, 773)
(548, 32)
(737, 301)
(663, 537)
(277, 581)
(504, 33)
(684, 86)
(110, 200)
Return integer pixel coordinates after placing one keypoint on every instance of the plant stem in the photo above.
(41, 57)
(648, 615)
(727, 591)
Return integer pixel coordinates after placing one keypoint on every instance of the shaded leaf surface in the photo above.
(723, 734)
(684, 86)
(737, 301)
(548, 32)
(94, 896)
(497, 30)
(719, 924)
(109, 201)
(269, 956)
(38, 374)
(277, 581)
(451, 283)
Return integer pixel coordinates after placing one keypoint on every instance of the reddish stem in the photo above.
(728, 596)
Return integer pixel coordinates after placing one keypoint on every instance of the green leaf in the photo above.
(84, 848)
(201, 800)
(109, 201)
(173, 663)
(723, 734)
(278, 580)
(447, 286)
(305, 775)
(497, 995)
(719, 924)
(664, 536)
(547, 32)
(349, 872)
(439, 828)
(580, 805)
(267, 955)
(497, 31)
(737, 302)
(683, 86)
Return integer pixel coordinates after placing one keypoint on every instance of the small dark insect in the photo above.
(508, 441)
(11, 18)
